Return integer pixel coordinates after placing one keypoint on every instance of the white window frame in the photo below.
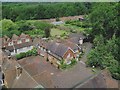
(10, 43)
(68, 56)
(19, 42)
(27, 40)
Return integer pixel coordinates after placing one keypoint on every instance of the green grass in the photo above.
(57, 32)
(78, 29)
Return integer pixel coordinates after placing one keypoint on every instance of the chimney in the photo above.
(18, 71)
(80, 41)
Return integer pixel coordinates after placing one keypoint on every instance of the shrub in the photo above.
(32, 52)
(57, 19)
(20, 56)
(62, 64)
(115, 72)
(73, 62)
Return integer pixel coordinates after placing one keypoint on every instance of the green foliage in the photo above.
(63, 65)
(104, 55)
(32, 52)
(9, 28)
(57, 19)
(20, 56)
(26, 11)
(104, 19)
(115, 71)
(73, 61)
(105, 30)
(47, 32)
(33, 28)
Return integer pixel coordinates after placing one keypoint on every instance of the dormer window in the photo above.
(19, 42)
(10, 43)
(27, 40)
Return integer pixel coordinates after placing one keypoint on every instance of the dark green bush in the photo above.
(57, 19)
(73, 62)
(20, 56)
(32, 52)
(115, 72)
(63, 64)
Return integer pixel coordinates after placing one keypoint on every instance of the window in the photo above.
(10, 43)
(19, 42)
(68, 56)
(27, 40)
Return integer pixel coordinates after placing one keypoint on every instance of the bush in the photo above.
(62, 64)
(20, 56)
(57, 19)
(73, 62)
(115, 72)
(29, 53)
(32, 52)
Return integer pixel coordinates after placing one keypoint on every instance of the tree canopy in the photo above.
(26, 11)
(106, 32)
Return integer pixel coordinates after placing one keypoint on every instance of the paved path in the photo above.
(88, 47)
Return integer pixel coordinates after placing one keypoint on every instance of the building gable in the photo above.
(68, 54)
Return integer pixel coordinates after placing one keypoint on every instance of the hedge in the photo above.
(32, 52)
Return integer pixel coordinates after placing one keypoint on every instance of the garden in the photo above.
(64, 66)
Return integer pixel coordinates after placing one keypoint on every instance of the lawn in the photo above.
(57, 32)
(78, 29)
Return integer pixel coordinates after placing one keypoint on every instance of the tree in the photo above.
(47, 32)
(104, 19)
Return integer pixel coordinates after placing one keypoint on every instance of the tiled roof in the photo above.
(73, 46)
(44, 79)
(61, 49)
(36, 41)
(52, 46)
(74, 40)
(79, 35)
(23, 35)
(43, 43)
(57, 48)
(14, 37)
(18, 46)
(24, 81)
(102, 80)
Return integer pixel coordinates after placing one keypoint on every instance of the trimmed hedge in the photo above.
(32, 52)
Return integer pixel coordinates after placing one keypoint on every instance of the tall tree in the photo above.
(104, 19)
(47, 32)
